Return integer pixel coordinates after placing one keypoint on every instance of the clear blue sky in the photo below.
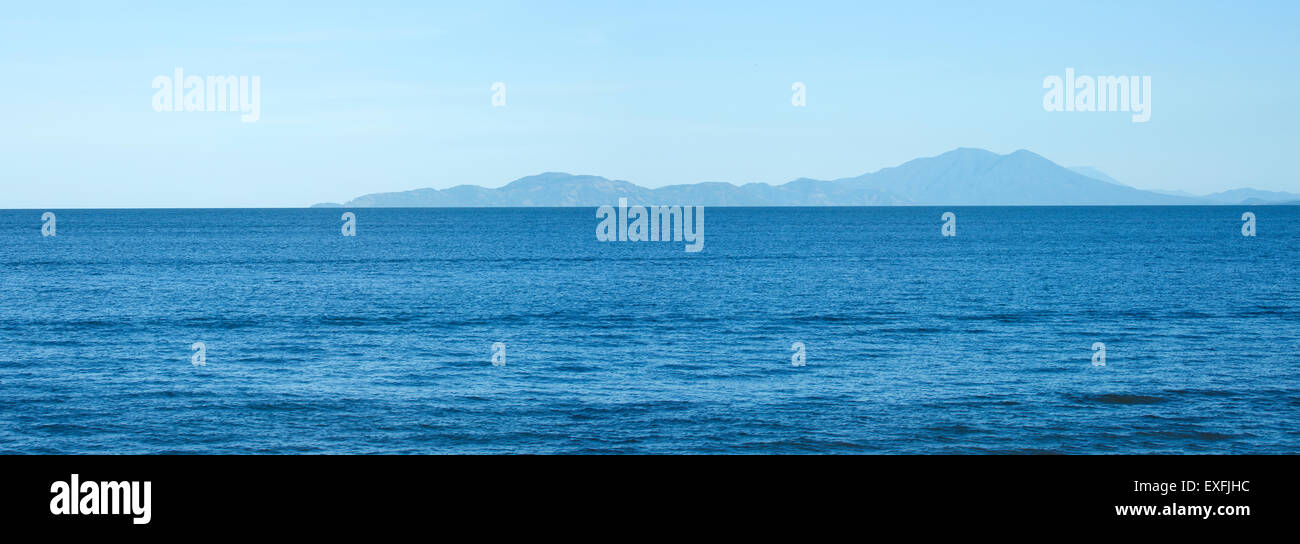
(377, 96)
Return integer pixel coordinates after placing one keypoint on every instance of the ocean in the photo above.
(913, 342)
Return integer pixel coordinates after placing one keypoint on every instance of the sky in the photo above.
(374, 96)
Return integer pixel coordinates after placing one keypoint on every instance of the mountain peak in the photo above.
(551, 179)
(545, 177)
(977, 153)
(968, 153)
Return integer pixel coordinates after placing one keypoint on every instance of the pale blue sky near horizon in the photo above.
(381, 96)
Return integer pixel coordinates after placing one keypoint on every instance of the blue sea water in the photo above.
(916, 343)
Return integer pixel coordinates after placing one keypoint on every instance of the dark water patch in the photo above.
(1200, 436)
(957, 429)
(1190, 314)
(1120, 398)
(1129, 314)
(574, 368)
(1002, 317)
(561, 317)
(152, 394)
(1261, 310)
(829, 318)
(72, 324)
(364, 320)
(303, 405)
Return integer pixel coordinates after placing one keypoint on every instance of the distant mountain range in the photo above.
(962, 177)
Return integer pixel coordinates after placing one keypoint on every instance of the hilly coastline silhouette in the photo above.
(962, 177)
